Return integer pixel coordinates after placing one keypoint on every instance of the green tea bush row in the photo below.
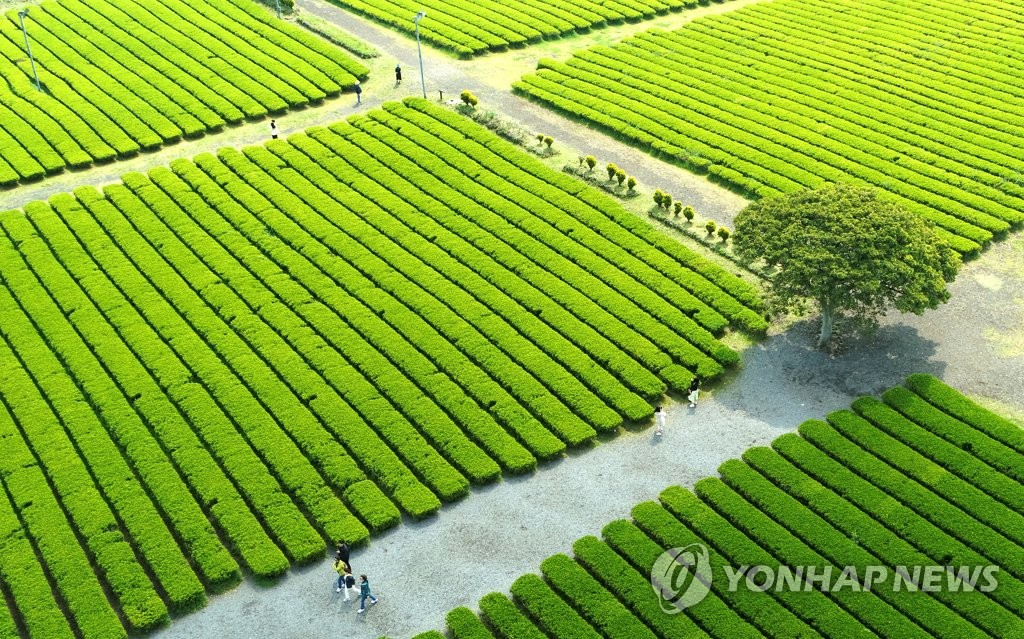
(159, 408)
(120, 76)
(469, 29)
(811, 108)
(839, 493)
(729, 295)
(482, 273)
(222, 363)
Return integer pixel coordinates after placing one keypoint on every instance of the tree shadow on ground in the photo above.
(784, 380)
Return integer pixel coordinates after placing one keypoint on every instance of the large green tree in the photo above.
(847, 250)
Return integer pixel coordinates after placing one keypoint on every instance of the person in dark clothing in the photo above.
(398, 74)
(694, 392)
(364, 594)
(342, 551)
(359, 93)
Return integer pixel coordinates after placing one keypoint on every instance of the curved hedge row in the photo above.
(473, 28)
(120, 76)
(845, 492)
(779, 96)
(212, 368)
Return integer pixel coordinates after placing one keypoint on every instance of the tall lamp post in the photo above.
(28, 47)
(423, 83)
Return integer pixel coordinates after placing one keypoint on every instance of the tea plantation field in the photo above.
(923, 477)
(469, 28)
(120, 76)
(212, 368)
(919, 98)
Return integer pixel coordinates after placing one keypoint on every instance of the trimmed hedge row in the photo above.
(467, 28)
(163, 410)
(794, 100)
(220, 364)
(121, 487)
(559, 339)
(839, 494)
(728, 294)
(141, 75)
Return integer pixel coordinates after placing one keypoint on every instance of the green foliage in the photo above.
(612, 170)
(631, 183)
(373, 507)
(470, 100)
(338, 36)
(940, 146)
(132, 80)
(620, 176)
(677, 208)
(219, 364)
(723, 233)
(460, 29)
(548, 141)
(666, 201)
(848, 250)
(658, 197)
(896, 482)
(591, 162)
(689, 213)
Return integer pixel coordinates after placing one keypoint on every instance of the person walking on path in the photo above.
(359, 93)
(694, 392)
(349, 581)
(273, 129)
(342, 551)
(659, 415)
(398, 74)
(341, 567)
(364, 594)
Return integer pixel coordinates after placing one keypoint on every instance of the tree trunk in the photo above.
(826, 325)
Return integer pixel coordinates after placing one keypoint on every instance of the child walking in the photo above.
(659, 415)
(364, 594)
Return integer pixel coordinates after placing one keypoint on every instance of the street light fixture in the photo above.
(416, 20)
(28, 47)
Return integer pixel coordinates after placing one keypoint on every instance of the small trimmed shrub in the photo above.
(689, 213)
(620, 176)
(591, 162)
(666, 201)
(468, 99)
(658, 197)
(612, 169)
(548, 141)
(723, 233)
(540, 138)
(710, 226)
(631, 183)
(677, 207)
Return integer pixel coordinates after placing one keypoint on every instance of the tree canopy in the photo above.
(849, 251)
